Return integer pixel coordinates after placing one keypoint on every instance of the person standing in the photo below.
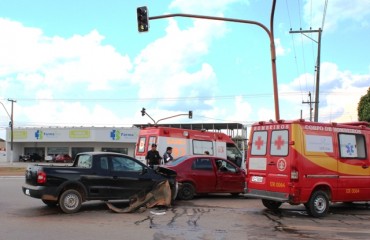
(152, 157)
(167, 156)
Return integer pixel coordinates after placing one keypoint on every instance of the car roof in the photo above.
(203, 156)
(100, 153)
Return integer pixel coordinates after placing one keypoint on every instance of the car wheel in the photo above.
(50, 203)
(186, 192)
(318, 204)
(272, 205)
(70, 201)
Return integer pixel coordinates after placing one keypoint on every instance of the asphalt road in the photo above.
(209, 217)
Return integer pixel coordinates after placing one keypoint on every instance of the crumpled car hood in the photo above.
(166, 172)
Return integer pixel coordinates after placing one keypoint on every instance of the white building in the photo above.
(70, 140)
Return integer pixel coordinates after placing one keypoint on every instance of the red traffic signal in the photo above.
(142, 19)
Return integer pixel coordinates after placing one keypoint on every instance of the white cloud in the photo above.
(340, 92)
(241, 111)
(205, 6)
(162, 68)
(338, 11)
(279, 49)
(36, 60)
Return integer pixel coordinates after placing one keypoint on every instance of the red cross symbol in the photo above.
(279, 143)
(259, 143)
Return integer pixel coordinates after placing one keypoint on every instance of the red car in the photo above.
(63, 158)
(199, 174)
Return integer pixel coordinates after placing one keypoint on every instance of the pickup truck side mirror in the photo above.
(145, 170)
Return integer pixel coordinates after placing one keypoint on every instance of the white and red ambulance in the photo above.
(187, 142)
(308, 163)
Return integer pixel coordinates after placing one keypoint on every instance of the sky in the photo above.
(84, 63)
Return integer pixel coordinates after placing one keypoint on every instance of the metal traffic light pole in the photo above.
(270, 34)
(143, 113)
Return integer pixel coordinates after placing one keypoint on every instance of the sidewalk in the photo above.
(14, 164)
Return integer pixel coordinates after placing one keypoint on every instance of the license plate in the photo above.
(257, 179)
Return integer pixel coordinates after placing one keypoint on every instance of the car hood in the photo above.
(166, 171)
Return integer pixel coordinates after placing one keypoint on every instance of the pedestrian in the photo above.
(152, 157)
(206, 152)
(167, 156)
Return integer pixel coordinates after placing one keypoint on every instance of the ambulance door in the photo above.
(353, 168)
(278, 162)
(257, 162)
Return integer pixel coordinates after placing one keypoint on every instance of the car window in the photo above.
(202, 164)
(177, 161)
(225, 166)
(84, 161)
(125, 164)
(104, 162)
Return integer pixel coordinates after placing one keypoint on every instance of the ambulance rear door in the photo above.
(269, 165)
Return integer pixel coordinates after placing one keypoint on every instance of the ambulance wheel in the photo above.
(272, 205)
(186, 192)
(318, 205)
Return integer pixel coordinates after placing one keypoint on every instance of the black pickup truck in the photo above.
(94, 176)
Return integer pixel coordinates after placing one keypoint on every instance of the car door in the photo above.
(203, 174)
(95, 175)
(229, 177)
(128, 178)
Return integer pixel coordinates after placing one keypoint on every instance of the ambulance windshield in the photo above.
(233, 154)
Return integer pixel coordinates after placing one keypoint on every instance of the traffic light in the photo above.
(143, 112)
(190, 114)
(142, 19)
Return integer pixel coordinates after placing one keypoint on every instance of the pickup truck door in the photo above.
(128, 178)
(96, 177)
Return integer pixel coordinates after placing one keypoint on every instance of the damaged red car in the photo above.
(200, 174)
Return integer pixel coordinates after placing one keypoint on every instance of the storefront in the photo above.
(53, 141)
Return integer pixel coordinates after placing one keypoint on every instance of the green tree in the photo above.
(363, 107)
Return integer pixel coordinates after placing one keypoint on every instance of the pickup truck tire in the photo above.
(270, 204)
(318, 204)
(50, 203)
(186, 192)
(70, 201)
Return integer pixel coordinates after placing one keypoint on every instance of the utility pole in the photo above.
(319, 31)
(309, 102)
(11, 124)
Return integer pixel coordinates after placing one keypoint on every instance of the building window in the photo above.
(116, 150)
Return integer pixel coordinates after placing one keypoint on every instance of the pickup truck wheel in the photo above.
(318, 204)
(50, 203)
(70, 201)
(187, 191)
(272, 205)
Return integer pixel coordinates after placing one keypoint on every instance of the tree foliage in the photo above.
(363, 108)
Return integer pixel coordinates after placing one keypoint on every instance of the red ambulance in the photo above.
(308, 163)
(187, 142)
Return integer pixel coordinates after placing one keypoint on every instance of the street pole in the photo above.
(270, 34)
(319, 31)
(11, 130)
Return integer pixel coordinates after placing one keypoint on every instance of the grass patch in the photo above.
(12, 171)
